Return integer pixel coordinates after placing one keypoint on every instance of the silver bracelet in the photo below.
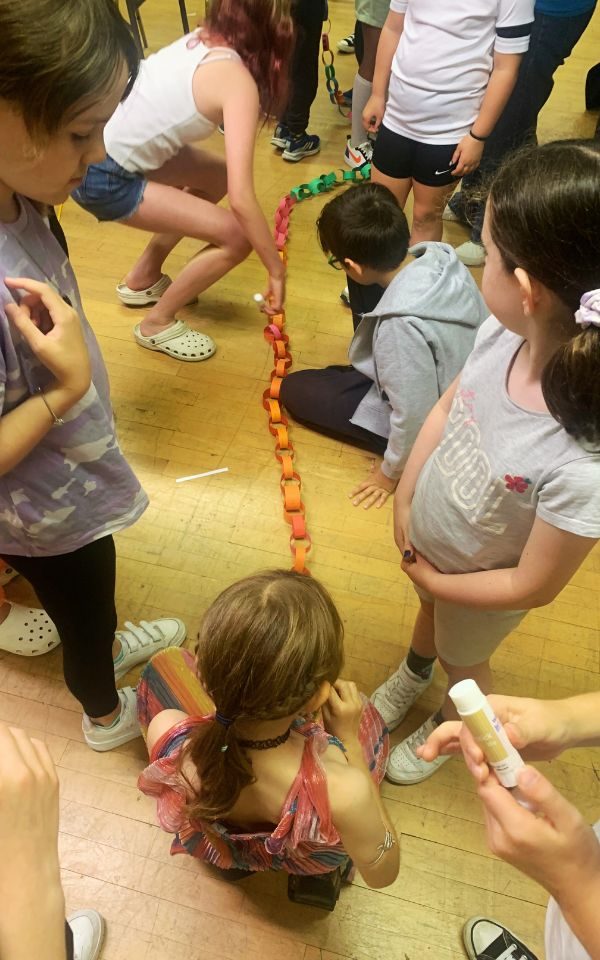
(389, 841)
(58, 421)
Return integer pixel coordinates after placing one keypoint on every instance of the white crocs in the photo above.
(139, 643)
(7, 574)
(143, 298)
(178, 341)
(27, 631)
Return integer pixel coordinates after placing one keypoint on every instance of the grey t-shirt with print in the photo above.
(497, 467)
(75, 485)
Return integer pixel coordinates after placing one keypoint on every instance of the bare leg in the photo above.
(400, 188)
(479, 672)
(423, 638)
(172, 213)
(370, 39)
(428, 207)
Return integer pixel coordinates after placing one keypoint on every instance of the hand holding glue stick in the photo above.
(477, 715)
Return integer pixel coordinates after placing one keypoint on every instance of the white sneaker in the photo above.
(345, 297)
(395, 697)
(88, 933)
(125, 729)
(471, 254)
(404, 766)
(139, 643)
(356, 157)
(449, 215)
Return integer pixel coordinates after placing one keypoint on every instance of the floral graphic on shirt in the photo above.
(518, 484)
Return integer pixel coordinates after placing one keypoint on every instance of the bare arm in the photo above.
(501, 83)
(161, 724)
(386, 48)
(356, 806)
(234, 89)
(62, 349)
(549, 560)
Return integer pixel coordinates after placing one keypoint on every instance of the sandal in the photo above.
(178, 341)
(28, 631)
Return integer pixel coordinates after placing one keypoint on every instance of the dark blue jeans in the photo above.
(551, 43)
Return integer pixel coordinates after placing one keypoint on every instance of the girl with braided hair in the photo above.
(280, 769)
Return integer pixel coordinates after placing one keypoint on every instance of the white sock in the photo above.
(361, 91)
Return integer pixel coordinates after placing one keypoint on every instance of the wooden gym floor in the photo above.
(175, 419)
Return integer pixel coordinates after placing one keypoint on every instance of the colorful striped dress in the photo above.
(304, 841)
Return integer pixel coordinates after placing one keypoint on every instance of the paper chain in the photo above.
(291, 484)
(333, 88)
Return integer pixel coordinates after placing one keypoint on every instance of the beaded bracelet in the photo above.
(58, 421)
(389, 841)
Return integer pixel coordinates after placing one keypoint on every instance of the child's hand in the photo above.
(274, 295)
(343, 710)
(373, 114)
(467, 156)
(420, 571)
(374, 491)
(53, 331)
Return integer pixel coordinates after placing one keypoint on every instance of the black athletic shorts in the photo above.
(427, 163)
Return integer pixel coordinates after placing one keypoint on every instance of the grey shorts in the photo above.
(465, 636)
(372, 12)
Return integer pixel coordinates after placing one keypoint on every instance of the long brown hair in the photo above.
(265, 646)
(544, 206)
(262, 33)
(54, 53)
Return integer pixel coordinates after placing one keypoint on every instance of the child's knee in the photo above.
(425, 215)
(237, 243)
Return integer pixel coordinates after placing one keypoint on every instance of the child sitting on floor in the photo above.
(261, 784)
(407, 348)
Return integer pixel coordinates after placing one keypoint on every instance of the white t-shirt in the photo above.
(160, 115)
(497, 468)
(442, 66)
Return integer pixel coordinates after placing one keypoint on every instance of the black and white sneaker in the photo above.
(485, 939)
(347, 44)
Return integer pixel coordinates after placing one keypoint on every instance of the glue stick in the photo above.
(259, 299)
(476, 713)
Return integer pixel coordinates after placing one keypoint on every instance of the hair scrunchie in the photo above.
(589, 310)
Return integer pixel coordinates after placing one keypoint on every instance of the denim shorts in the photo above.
(110, 192)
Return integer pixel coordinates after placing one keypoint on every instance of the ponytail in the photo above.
(544, 211)
(571, 386)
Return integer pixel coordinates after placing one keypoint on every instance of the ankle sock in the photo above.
(422, 666)
(438, 718)
(361, 91)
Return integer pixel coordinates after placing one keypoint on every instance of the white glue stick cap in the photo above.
(467, 697)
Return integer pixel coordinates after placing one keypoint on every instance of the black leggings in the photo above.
(304, 68)
(77, 591)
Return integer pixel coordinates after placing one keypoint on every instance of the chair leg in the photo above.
(132, 13)
(184, 17)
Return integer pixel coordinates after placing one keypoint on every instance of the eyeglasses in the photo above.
(334, 262)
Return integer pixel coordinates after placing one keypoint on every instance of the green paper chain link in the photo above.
(327, 181)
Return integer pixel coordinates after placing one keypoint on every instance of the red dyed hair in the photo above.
(262, 32)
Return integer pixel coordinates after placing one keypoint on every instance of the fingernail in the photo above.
(527, 777)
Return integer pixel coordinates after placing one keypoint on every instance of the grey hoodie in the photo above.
(413, 345)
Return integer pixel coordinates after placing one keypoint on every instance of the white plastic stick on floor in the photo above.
(198, 476)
